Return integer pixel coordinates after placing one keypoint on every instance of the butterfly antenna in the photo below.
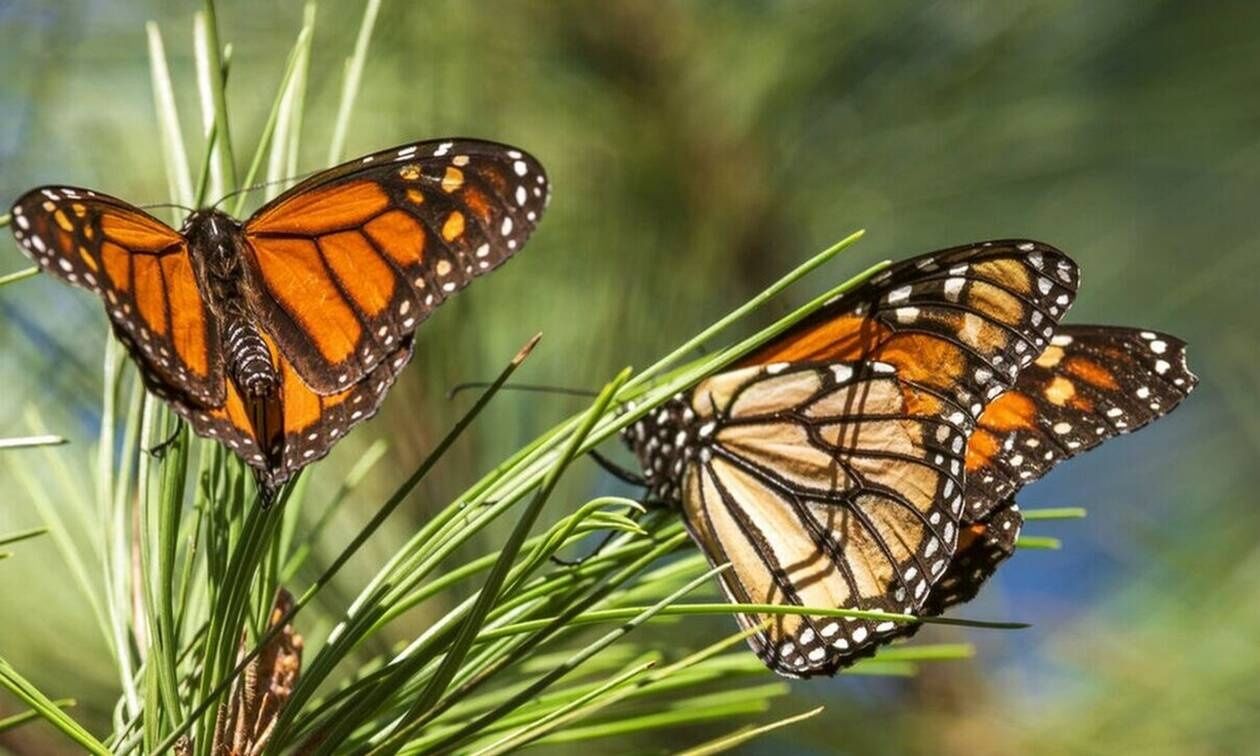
(158, 205)
(539, 388)
(262, 185)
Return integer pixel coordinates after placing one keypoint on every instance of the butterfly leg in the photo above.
(159, 450)
(617, 471)
(599, 547)
(584, 559)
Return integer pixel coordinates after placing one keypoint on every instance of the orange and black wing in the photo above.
(962, 322)
(349, 262)
(142, 270)
(1090, 384)
(982, 546)
(823, 485)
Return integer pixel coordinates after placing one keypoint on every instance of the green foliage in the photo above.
(696, 149)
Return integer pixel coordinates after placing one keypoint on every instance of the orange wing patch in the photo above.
(367, 279)
(296, 276)
(1092, 373)
(400, 235)
(1090, 384)
(322, 211)
(187, 315)
(138, 233)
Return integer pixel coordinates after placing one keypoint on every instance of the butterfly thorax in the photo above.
(665, 440)
(216, 244)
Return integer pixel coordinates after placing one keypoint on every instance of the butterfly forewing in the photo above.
(142, 270)
(352, 260)
(961, 322)
(832, 485)
(1091, 383)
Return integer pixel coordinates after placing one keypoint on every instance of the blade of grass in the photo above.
(282, 163)
(489, 593)
(218, 92)
(27, 442)
(17, 720)
(116, 559)
(1054, 513)
(1038, 542)
(21, 535)
(48, 709)
(745, 734)
(350, 85)
(210, 179)
(352, 548)
(273, 117)
(160, 600)
(18, 275)
(614, 615)
(179, 182)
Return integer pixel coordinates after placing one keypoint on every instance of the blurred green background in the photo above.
(698, 150)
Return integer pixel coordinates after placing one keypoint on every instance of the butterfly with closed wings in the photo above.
(277, 335)
(827, 467)
(831, 467)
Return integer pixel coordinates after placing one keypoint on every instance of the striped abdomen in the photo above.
(249, 360)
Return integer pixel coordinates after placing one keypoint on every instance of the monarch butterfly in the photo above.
(828, 467)
(277, 335)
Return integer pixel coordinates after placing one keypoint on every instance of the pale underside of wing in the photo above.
(831, 486)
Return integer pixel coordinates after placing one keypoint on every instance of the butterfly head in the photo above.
(665, 441)
(211, 230)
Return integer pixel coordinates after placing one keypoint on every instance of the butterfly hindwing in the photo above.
(982, 546)
(142, 270)
(349, 262)
(309, 424)
(1091, 383)
(828, 485)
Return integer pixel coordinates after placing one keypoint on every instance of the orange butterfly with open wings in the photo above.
(277, 335)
